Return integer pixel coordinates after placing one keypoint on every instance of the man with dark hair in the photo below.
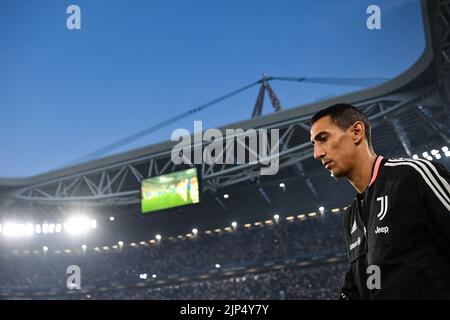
(397, 229)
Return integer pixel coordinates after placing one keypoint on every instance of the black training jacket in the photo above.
(400, 224)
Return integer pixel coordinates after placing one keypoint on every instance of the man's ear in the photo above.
(358, 132)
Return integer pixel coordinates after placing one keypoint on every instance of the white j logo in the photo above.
(384, 207)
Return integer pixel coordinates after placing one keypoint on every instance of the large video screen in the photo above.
(169, 190)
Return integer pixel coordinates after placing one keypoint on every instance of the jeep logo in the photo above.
(382, 230)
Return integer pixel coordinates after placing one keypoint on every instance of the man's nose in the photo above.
(318, 152)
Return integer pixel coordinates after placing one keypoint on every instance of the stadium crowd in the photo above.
(317, 282)
(244, 247)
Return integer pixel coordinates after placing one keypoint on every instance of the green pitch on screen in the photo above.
(170, 190)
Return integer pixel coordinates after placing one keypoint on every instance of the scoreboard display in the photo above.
(170, 190)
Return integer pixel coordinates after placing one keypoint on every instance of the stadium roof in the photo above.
(409, 115)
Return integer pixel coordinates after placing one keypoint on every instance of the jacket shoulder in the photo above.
(408, 164)
(421, 169)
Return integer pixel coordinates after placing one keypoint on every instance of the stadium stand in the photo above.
(259, 249)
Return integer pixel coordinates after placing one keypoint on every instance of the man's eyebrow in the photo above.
(317, 135)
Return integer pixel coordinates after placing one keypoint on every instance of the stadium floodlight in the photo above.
(282, 185)
(415, 156)
(45, 248)
(10, 229)
(77, 225)
(15, 229)
(26, 229)
(120, 243)
(425, 154)
(58, 228)
(83, 246)
(444, 149)
(154, 276)
(111, 218)
(143, 276)
(434, 152)
(447, 154)
(29, 230)
(38, 228)
(51, 228)
(217, 265)
(93, 224)
(194, 231)
(45, 228)
(158, 237)
(226, 196)
(276, 217)
(322, 210)
(430, 158)
(0, 228)
(437, 156)
(234, 224)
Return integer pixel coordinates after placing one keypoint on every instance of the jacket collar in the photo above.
(375, 169)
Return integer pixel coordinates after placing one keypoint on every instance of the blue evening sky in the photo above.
(65, 93)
